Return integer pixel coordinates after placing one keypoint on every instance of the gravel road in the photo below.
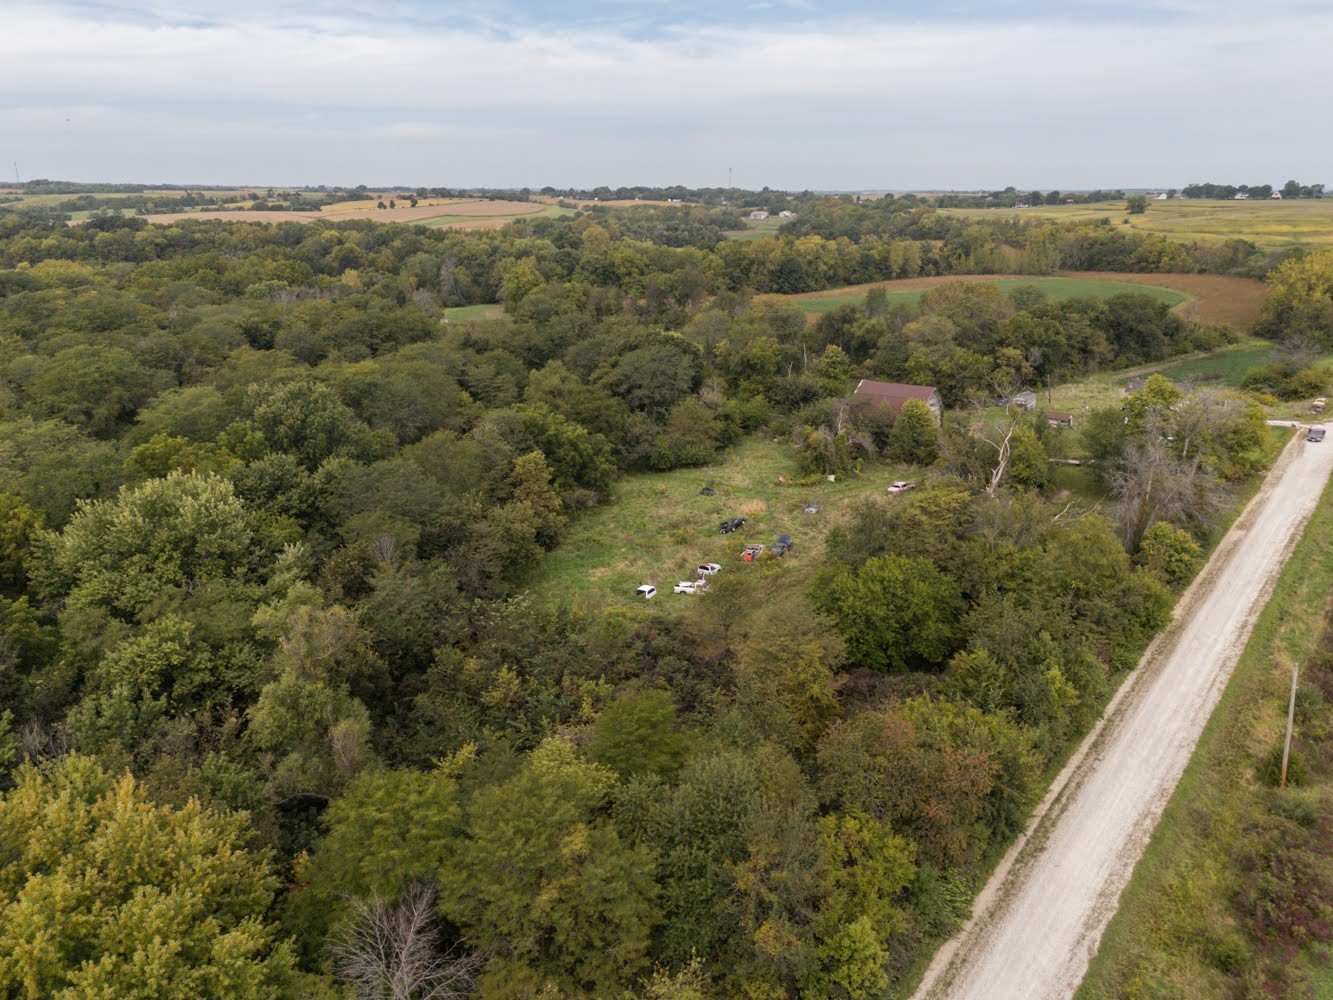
(1038, 922)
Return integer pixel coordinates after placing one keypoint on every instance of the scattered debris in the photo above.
(812, 508)
(707, 491)
(752, 552)
(734, 524)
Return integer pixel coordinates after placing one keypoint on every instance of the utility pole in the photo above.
(728, 178)
(1291, 718)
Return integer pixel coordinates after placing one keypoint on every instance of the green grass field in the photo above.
(1269, 224)
(1225, 367)
(1057, 289)
(658, 527)
(1175, 929)
(757, 230)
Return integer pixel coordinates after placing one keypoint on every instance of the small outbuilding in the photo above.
(1026, 400)
(759, 215)
(895, 394)
(1059, 418)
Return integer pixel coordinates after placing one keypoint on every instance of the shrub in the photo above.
(1270, 771)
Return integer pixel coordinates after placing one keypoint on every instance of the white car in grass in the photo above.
(708, 569)
(690, 587)
(647, 592)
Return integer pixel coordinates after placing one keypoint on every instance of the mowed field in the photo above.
(1206, 298)
(1268, 224)
(477, 213)
(657, 528)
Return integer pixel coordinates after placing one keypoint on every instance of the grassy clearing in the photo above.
(1057, 289)
(1268, 224)
(757, 230)
(1175, 931)
(1224, 367)
(461, 314)
(658, 527)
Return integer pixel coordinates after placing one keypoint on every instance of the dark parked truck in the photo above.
(1316, 434)
(782, 546)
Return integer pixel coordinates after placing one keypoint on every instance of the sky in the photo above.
(792, 94)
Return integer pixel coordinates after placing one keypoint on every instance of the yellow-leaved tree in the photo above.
(105, 893)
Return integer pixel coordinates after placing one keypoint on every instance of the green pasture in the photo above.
(1269, 224)
(1225, 367)
(657, 527)
(1056, 289)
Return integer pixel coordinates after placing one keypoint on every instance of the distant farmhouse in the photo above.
(894, 395)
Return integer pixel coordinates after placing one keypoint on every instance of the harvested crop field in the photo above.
(472, 214)
(1212, 298)
(1267, 223)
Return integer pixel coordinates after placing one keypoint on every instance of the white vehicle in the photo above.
(708, 569)
(902, 486)
(690, 587)
(647, 592)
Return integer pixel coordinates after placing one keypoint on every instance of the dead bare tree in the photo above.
(1152, 483)
(998, 435)
(390, 950)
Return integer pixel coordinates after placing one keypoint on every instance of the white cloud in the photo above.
(834, 103)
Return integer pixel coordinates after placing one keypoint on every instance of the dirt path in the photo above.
(1040, 918)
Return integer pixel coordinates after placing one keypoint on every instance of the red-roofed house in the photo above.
(894, 394)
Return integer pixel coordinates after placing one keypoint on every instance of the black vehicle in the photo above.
(1316, 434)
(707, 491)
(735, 524)
(782, 546)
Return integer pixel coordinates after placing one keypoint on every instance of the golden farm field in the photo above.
(476, 213)
(1266, 223)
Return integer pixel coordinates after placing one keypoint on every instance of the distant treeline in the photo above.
(1291, 189)
(1011, 197)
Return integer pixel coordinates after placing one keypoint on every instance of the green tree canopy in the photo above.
(893, 612)
(104, 893)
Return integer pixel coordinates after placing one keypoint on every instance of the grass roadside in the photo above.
(1176, 933)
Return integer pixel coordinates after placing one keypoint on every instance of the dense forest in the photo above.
(283, 718)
